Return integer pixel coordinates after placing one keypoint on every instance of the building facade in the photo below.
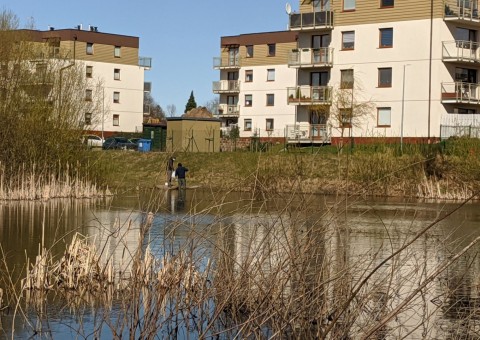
(399, 70)
(114, 73)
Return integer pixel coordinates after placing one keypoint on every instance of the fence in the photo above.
(447, 131)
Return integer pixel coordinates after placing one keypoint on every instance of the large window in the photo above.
(271, 74)
(89, 71)
(346, 79)
(89, 48)
(116, 97)
(249, 51)
(117, 52)
(248, 100)
(385, 77)
(271, 50)
(88, 95)
(387, 3)
(116, 120)
(384, 117)
(247, 125)
(348, 5)
(348, 40)
(346, 118)
(248, 76)
(88, 118)
(116, 74)
(386, 37)
(270, 99)
(269, 124)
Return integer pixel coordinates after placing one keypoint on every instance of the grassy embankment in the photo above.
(448, 170)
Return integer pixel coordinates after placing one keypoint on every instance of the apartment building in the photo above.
(414, 64)
(254, 76)
(114, 72)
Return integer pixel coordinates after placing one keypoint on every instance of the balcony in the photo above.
(308, 133)
(309, 95)
(311, 57)
(461, 11)
(226, 63)
(461, 93)
(228, 111)
(311, 21)
(145, 62)
(460, 51)
(226, 86)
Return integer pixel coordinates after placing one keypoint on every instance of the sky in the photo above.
(181, 37)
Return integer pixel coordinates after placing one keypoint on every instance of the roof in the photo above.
(260, 38)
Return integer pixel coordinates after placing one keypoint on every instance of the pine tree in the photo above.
(191, 104)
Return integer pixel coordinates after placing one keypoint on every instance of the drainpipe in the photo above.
(430, 71)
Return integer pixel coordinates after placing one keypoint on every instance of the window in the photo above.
(271, 74)
(88, 95)
(247, 125)
(116, 97)
(386, 37)
(271, 50)
(116, 74)
(348, 5)
(384, 115)
(346, 118)
(270, 99)
(248, 100)
(248, 76)
(88, 118)
(348, 40)
(385, 77)
(89, 71)
(346, 79)
(117, 52)
(269, 125)
(89, 48)
(464, 111)
(249, 51)
(116, 120)
(387, 3)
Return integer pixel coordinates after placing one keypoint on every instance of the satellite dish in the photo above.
(288, 8)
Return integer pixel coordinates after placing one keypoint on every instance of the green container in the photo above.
(157, 134)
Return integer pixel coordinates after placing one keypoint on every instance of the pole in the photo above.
(103, 111)
(403, 110)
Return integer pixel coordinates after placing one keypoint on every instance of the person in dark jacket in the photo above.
(170, 168)
(180, 172)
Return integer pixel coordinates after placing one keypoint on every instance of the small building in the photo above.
(193, 132)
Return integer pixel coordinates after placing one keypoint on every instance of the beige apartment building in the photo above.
(114, 71)
(397, 70)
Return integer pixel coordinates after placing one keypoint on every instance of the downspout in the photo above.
(430, 71)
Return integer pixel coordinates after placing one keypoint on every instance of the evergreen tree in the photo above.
(191, 104)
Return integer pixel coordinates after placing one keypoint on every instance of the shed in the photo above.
(157, 133)
(194, 134)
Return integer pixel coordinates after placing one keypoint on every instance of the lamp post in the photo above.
(403, 108)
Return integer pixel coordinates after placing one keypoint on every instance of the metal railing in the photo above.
(447, 131)
(228, 110)
(311, 20)
(219, 62)
(226, 86)
(308, 95)
(145, 62)
(461, 92)
(461, 10)
(460, 50)
(311, 57)
(305, 132)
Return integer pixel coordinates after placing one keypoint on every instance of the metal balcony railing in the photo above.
(311, 57)
(226, 110)
(461, 92)
(460, 51)
(145, 62)
(225, 63)
(226, 86)
(311, 20)
(461, 10)
(305, 132)
(309, 95)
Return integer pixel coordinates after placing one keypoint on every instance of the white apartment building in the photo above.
(414, 62)
(114, 72)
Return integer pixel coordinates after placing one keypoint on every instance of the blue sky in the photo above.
(181, 37)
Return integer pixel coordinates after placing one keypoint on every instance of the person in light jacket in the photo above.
(170, 169)
(180, 172)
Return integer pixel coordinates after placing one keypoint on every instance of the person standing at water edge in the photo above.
(170, 169)
(180, 172)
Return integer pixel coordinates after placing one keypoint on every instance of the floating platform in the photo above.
(175, 187)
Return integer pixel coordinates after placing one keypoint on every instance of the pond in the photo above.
(299, 265)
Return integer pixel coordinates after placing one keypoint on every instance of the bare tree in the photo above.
(212, 105)
(171, 110)
(154, 109)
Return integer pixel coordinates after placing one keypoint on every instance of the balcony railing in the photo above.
(225, 110)
(145, 62)
(461, 10)
(226, 86)
(311, 20)
(308, 133)
(311, 57)
(460, 51)
(225, 63)
(309, 95)
(460, 92)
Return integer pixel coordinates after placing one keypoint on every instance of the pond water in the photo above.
(360, 234)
